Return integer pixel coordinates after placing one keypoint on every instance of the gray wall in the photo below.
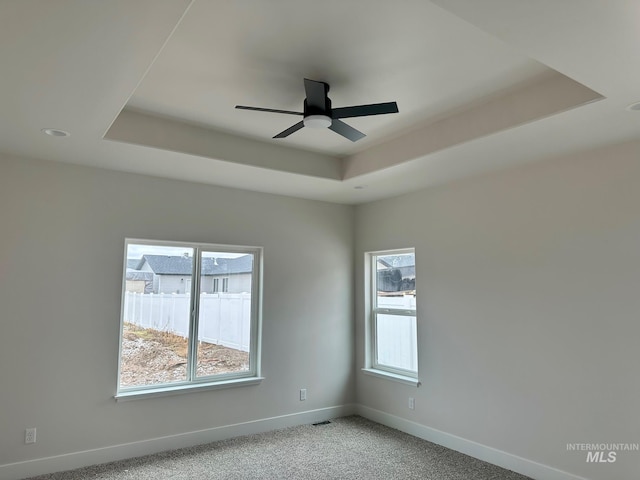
(528, 299)
(62, 238)
(528, 305)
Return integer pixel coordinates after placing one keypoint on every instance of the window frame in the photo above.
(372, 366)
(193, 382)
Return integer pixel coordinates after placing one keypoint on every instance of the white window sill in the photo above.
(414, 382)
(191, 387)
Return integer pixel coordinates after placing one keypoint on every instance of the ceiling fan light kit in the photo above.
(317, 112)
(317, 121)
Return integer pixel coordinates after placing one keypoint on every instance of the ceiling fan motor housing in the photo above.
(318, 115)
(325, 109)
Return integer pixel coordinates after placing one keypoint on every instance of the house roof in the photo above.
(181, 265)
(138, 275)
(133, 263)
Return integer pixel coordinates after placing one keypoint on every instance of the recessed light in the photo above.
(360, 187)
(634, 107)
(54, 132)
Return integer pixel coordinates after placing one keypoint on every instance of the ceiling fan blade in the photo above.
(365, 110)
(242, 107)
(290, 130)
(346, 131)
(316, 94)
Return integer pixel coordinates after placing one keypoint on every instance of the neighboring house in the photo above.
(396, 273)
(138, 282)
(172, 274)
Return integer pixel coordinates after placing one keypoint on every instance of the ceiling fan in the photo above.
(318, 113)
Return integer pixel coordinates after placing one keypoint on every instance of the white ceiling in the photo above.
(150, 87)
(250, 53)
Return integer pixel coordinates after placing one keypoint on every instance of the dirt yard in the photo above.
(153, 357)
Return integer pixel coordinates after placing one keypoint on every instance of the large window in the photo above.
(393, 326)
(190, 317)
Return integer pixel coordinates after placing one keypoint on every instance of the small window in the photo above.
(175, 333)
(393, 322)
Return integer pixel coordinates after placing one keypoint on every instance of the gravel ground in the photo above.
(153, 357)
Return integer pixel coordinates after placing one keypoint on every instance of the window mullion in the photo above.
(194, 309)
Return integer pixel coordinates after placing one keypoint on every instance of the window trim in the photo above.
(193, 382)
(174, 389)
(372, 367)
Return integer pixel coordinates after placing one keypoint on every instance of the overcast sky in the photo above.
(136, 251)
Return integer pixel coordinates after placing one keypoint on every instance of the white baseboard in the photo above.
(39, 466)
(506, 460)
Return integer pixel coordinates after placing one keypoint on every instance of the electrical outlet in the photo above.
(412, 403)
(303, 394)
(30, 435)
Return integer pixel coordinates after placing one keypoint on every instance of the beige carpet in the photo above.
(347, 448)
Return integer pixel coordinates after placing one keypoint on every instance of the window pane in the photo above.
(156, 315)
(396, 281)
(397, 345)
(224, 320)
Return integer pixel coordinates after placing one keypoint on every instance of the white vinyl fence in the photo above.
(225, 318)
(397, 335)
